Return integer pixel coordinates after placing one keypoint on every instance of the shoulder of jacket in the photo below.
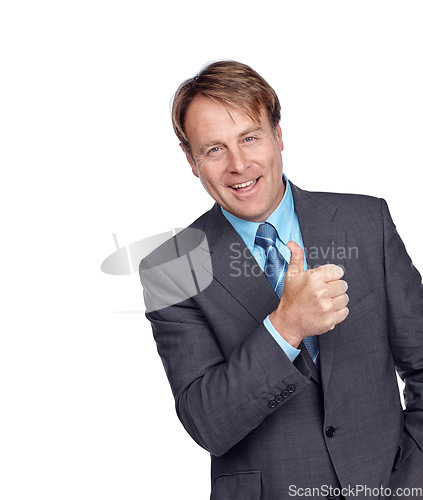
(183, 241)
(348, 199)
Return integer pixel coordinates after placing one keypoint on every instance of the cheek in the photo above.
(212, 175)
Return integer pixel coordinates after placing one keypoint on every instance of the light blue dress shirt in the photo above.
(284, 219)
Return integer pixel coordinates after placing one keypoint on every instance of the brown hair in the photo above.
(230, 83)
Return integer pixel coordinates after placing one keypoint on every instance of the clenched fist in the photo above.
(312, 302)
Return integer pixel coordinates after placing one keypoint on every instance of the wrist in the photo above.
(281, 326)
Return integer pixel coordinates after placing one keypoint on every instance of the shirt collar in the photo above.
(281, 219)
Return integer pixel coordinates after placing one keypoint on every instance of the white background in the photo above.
(88, 150)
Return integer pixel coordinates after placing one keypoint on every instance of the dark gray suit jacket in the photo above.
(272, 426)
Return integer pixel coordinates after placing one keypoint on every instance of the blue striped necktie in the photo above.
(275, 269)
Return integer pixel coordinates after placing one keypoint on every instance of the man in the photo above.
(286, 380)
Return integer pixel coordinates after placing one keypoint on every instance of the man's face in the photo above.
(238, 161)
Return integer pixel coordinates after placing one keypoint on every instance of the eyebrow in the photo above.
(251, 130)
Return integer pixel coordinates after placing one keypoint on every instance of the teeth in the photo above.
(244, 184)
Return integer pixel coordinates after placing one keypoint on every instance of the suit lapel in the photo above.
(235, 268)
(324, 242)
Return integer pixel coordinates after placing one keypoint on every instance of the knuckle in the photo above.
(323, 307)
(327, 306)
(340, 270)
(321, 299)
(331, 325)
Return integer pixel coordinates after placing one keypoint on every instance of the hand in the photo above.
(312, 302)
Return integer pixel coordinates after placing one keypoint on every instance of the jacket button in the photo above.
(278, 398)
(291, 388)
(330, 432)
(285, 393)
(272, 404)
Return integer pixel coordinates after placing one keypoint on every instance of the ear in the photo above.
(190, 161)
(279, 136)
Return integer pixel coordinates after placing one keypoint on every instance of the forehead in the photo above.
(205, 117)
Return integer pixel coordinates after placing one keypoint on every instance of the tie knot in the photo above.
(266, 235)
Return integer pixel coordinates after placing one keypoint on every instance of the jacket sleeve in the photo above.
(404, 293)
(219, 399)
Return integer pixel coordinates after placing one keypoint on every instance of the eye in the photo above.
(249, 139)
(214, 150)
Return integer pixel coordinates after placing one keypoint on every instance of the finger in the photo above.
(296, 263)
(340, 302)
(341, 315)
(330, 272)
(336, 288)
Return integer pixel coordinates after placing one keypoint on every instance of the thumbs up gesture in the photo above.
(313, 302)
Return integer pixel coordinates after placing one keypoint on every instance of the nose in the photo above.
(238, 161)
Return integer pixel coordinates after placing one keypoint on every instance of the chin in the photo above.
(252, 216)
(258, 214)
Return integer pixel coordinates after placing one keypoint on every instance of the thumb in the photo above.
(296, 264)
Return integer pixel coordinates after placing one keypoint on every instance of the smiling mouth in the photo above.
(244, 185)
